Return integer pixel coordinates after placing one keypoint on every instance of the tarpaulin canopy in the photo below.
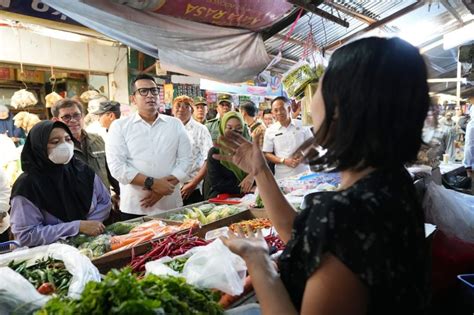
(207, 51)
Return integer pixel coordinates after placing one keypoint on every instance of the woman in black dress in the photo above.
(361, 249)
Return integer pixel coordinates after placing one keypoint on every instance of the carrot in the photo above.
(120, 241)
(152, 224)
(227, 300)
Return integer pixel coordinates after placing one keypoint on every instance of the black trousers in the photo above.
(195, 197)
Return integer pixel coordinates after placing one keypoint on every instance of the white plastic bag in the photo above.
(16, 291)
(215, 267)
(212, 266)
(22, 99)
(452, 212)
(158, 267)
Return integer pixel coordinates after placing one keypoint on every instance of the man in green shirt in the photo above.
(224, 105)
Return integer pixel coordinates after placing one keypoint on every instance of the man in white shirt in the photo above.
(149, 154)
(201, 143)
(283, 138)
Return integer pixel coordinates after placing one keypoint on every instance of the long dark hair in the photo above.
(378, 90)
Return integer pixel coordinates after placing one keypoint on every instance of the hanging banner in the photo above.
(35, 8)
(242, 89)
(249, 14)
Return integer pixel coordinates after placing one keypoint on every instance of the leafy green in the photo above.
(121, 228)
(121, 293)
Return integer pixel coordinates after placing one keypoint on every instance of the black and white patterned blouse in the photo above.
(376, 228)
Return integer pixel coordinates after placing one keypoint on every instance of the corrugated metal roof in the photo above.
(326, 32)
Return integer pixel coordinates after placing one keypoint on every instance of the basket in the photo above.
(7, 247)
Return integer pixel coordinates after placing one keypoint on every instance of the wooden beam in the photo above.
(356, 15)
(282, 24)
(311, 7)
(379, 23)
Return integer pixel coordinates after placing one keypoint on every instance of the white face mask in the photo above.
(62, 154)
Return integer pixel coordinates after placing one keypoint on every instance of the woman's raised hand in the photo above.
(241, 152)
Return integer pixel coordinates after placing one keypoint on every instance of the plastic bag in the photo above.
(22, 99)
(215, 267)
(160, 268)
(452, 212)
(16, 292)
(212, 266)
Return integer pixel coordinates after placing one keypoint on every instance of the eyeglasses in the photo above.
(68, 118)
(144, 91)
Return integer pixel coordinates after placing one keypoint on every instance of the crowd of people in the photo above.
(146, 163)
(358, 250)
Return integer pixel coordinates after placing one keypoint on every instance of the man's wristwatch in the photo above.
(282, 161)
(149, 183)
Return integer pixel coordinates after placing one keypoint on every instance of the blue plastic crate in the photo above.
(6, 247)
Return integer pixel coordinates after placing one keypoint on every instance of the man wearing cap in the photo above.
(200, 109)
(224, 105)
(249, 111)
(201, 143)
(283, 138)
(108, 111)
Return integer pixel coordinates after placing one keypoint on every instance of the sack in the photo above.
(16, 293)
(452, 212)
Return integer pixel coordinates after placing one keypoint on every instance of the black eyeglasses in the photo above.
(144, 91)
(68, 118)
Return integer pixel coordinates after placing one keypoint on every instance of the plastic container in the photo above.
(213, 234)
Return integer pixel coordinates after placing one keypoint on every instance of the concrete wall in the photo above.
(35, 50)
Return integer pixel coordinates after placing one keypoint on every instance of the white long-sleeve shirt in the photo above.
(157, 150)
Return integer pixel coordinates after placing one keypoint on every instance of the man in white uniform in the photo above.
(149, 154)
(283, 138)
(201, 143)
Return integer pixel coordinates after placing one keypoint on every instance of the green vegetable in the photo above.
(121, 293)
(207, 208)
(98, 245)
(78, 240)
(46, 270)
(259, 202)
(177, 264)
(121, 228)
(200, 215)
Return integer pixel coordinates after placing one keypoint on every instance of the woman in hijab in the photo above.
(57, 196)
(225, 176)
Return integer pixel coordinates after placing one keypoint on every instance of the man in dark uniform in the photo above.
(224, 105)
